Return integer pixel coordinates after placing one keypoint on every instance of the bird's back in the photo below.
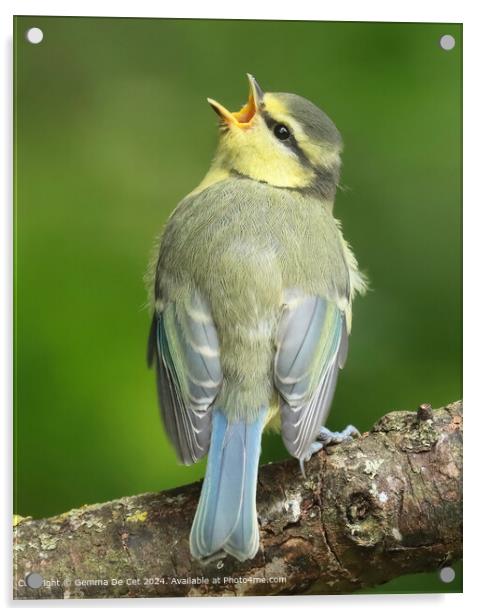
(242, 244)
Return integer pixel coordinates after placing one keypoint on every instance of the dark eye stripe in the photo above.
(291, 142)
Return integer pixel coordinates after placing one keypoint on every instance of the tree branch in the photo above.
(368, 511)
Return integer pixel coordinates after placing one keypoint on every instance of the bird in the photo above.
(252, 285)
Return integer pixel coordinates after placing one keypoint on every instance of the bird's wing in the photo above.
(312, 344)
(184, 346)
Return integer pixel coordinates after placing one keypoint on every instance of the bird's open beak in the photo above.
(244, 117)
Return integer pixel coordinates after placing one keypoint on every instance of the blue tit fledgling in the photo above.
(252, 292)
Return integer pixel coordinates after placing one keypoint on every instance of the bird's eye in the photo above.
(281, 132)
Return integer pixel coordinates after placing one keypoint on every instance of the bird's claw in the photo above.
(313, 448)
(327, 437)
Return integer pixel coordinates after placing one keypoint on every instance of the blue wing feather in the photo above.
(183, 345)
(311, 347)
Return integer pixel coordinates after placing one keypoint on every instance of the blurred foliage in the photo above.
(112, 130)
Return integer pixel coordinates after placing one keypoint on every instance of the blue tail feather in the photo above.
(226, 515)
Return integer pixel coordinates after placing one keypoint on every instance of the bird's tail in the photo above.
(226, 515)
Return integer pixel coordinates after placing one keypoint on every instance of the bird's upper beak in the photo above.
(244, 117)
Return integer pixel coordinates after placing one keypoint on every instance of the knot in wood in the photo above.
(358, 508)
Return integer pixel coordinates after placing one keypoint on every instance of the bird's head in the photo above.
(281, 139)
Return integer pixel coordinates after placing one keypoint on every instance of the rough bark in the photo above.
(368, 511)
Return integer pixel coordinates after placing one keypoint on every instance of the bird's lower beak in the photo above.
(244, 117)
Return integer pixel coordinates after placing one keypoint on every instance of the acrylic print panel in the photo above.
(251, 297)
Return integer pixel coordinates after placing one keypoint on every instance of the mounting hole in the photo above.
(34, 36)
(34, 580)
(447, 575)
(447, 42)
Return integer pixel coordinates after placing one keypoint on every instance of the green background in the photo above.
(112, 129)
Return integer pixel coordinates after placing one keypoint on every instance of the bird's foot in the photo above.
(327, 437)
